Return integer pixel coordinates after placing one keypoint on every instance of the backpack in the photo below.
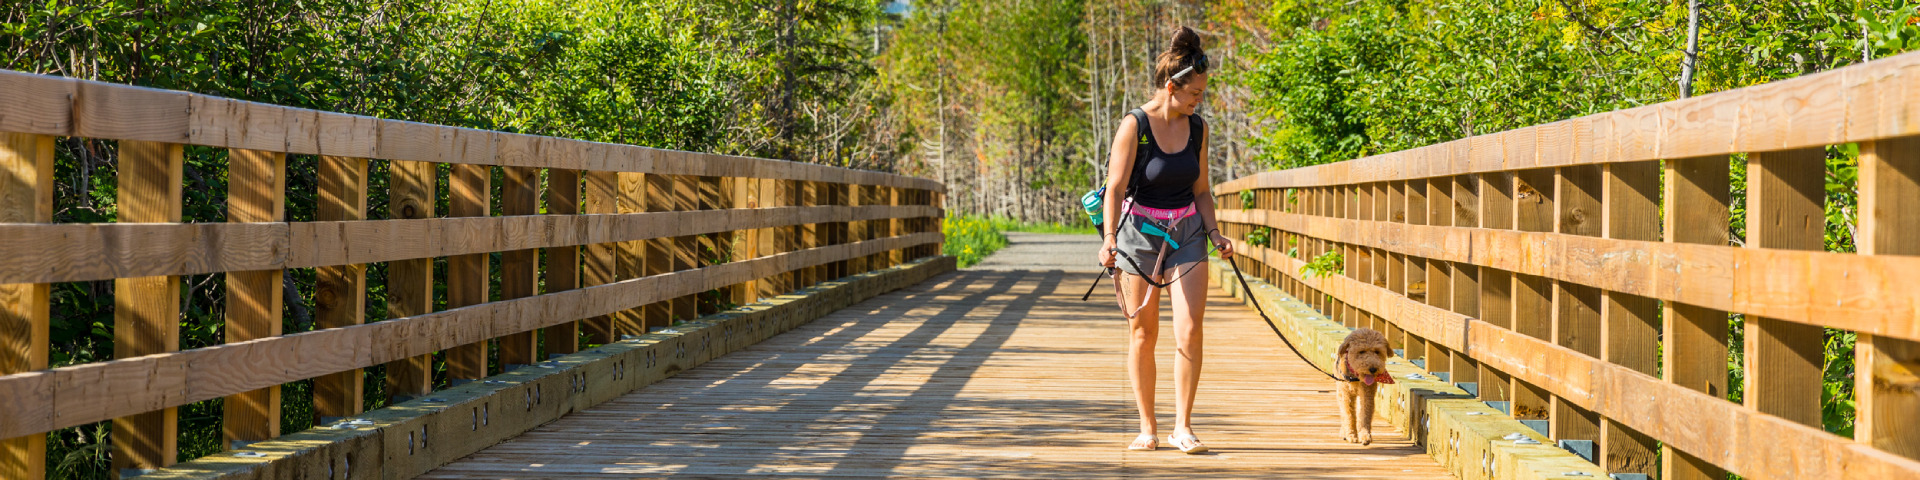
(1094, 201)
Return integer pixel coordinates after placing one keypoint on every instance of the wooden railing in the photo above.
(1582, 270)
(630, 236)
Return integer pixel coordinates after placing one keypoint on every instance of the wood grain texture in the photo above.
(26, 196)
(1786, 209)
(519, 269)
(256, 192)
(410, 282)
(562, 271)
(1695, 348)
(146, 309)
(600, 192)
(963, 375)
(1740, 439)
(98, 391)
(659, 253)
(469, 276)
(1844, 291)
(1887, 382)
(340, 292)
(1629, 324)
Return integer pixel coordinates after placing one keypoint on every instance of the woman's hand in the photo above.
(1225, 245)
(1105, 257)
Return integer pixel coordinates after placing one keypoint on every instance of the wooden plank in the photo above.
(638, 258)
(470, 276)
(158, 381)
(1886, 389)
(519, 269)
(1806, 287)
(26, 196)
(563, 263)
(146, 309)
(600, 192)
(1630, 324)
(256, 192)
(660, 252)
(809, 235)
(1695, 349)
(1786, 209)
(340, 292)
(410, 282)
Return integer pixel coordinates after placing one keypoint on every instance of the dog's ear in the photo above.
(1344, 344)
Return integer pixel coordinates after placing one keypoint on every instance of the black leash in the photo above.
(1276, 328)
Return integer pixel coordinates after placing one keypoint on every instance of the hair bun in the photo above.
(1185, 42)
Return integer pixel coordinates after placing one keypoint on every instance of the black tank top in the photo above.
(1161, 179)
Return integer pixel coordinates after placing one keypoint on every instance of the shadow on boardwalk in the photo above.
(972, 374)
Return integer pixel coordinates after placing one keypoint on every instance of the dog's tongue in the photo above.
(1366, 380)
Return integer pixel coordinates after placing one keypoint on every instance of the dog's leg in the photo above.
(1345, 396)
(1364, 415)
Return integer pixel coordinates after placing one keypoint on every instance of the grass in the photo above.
(971, 238)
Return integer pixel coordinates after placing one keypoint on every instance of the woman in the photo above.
(1157, 176)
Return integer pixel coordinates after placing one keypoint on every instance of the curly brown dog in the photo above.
(1363, 361)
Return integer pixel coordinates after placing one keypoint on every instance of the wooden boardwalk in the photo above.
(972, 374)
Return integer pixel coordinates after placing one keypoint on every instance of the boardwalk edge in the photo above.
(1460, 432)
(413, 437)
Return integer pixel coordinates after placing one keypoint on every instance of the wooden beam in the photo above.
(340, 292)
(563, 263)
(410, 282)
(1886, 389)
(1695, 349)
(469, 277)
(1629, 324)
(26, 196)
(600, 192)
(809, 234)
(686, 249)
(660, 252)
(642, 257)
(256, 192)
(711, 247)
(1786, 209)
(519, 269)
(146, 310)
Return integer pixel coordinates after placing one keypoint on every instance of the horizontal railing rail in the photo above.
(1584, 272)
(594, 242)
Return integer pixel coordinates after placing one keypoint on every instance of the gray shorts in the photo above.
(1190, 233)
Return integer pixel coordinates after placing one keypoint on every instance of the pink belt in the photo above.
(1162, 213)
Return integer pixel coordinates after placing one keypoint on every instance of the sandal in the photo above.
(1192, 445)
(1153, 443)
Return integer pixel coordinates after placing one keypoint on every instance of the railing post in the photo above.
(340, 292)
(1696, 337)
(256, 190)
(1496, 285)
(470, 194)
(26, 196)
(1786, 209)
(146, 310)
(1576, 308)
(1629, 324)
(686, 248)
(602, 263)
(563, 263)
(1466, 277)
(659, 252)
(519, 269)
(410, 282)
(1533, 211)
(713, 196)
(1886, 392)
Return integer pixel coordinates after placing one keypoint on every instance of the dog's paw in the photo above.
(1366, 438)
(1349, 438)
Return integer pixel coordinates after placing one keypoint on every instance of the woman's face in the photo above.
(1185, 98)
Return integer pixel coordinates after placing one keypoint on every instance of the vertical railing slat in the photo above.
(340, 292)
(1886, 392)
(26, 196)
(1629, 324)
(519, 269)
(470, 194)
(256, 192)
(1695, 338)
(146, 310)
(563, 263)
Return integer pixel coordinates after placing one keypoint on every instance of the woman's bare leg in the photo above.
(1144, 334)
(1189, 309)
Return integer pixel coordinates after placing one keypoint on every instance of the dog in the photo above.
(1363, 361)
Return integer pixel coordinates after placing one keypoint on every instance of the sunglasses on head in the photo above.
(1198, 63)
